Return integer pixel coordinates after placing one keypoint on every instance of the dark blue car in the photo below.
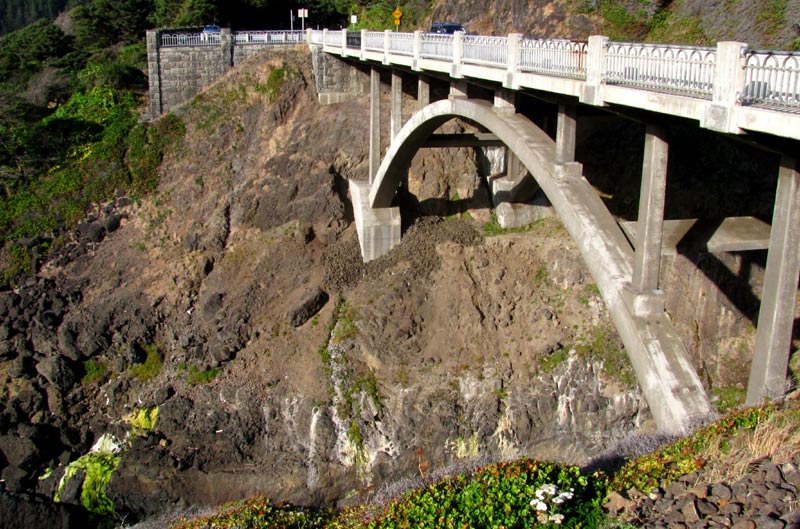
(447, 28)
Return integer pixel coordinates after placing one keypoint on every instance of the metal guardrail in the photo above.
(680, 69)
(489, 51)
(772, 80)
(354, 40)
(557, 57)
(189, 38)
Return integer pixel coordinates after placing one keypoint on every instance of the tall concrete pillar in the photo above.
(154, 73)
(779, 297)
(647, 258)
(226, 46)
(423, 91)
(374, 123)
(566, 130)
(397, 103)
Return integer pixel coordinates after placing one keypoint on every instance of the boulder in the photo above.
(310, 303)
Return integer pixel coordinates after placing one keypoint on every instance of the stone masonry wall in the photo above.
(337, 80)
(176, 74)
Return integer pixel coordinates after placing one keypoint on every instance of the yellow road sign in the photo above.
(397, 13)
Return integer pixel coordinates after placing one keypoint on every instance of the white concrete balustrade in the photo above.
(731, 91)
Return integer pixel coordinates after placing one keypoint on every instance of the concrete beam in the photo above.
(779, 297)
(732, 234)
(472, 139)
(458, 89)
(378, 229)
(374, 122)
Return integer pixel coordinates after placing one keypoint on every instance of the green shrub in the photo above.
(143, 420)
(517, 494)
(196, 376)
(257, 512)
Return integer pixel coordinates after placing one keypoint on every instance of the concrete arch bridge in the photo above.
(627, 273)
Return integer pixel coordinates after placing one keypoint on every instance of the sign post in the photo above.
(397, 14)
(302, 14)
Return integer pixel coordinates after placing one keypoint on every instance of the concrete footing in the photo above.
(518, 214)
(378, 229)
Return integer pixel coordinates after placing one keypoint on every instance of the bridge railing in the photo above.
(435, 46)
(557, 57)
(188, 38)
(268, 37)
(683, 70)
(332, 39)
(488, 51)
(772, 80)
(374, 41)
(401, 43)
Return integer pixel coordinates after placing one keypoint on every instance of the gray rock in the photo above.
(310, 303)
(57, 372)
(722, 491)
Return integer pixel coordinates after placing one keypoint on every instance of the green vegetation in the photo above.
(493, 227)
(551, 361)
(728, 398)
(98, 467)
(345, 327)
(151, 366)
(143, 420)
(94, 371)
(603, 344)
(196, 376)
(256, 512)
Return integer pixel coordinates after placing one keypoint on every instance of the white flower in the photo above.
(557, 518)
(538, 505)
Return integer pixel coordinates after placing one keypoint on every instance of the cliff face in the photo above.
(770, 25)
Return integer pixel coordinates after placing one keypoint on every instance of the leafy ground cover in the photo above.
(527, 493)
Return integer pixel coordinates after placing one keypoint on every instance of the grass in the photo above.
(94, 371)
(196, 376)
(143, 420)
(151, 367)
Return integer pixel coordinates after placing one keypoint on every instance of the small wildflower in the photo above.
(556, 518)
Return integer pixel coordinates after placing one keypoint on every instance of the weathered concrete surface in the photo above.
(378, 229)
(669, 382)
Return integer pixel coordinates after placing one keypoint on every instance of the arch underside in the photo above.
(668, 380)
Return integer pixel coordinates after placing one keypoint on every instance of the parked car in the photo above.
(210, 34)
(447, 28)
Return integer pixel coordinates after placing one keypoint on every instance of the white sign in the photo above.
(354, 19)
(302, 13)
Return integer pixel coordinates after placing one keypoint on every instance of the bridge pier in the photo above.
(374, 122)
(644, 298)
(779, 297)
(423, 92)
(397, 103)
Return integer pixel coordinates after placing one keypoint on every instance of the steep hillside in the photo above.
(771, 24)
(226, 333)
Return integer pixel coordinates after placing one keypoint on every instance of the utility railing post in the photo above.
(595, 70)
(458, 54)
(397, 103)
(387, 35)
(374, 123)
(779, 296)
(344, 43)
(324, 39)
(417, 47)
(728, 87)
(363, 54)
(513, 42)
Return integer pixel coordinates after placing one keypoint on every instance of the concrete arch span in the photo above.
(667, 378)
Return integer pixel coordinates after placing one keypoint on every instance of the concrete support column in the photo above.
(514, 40)
(647, 259)
(595, 69)
(728, 86)
(505, 101)
(397, 103)
(566, 130)
(458, 89)
(374, 123)
(776, 315)
(154, 73)
(423, 91)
